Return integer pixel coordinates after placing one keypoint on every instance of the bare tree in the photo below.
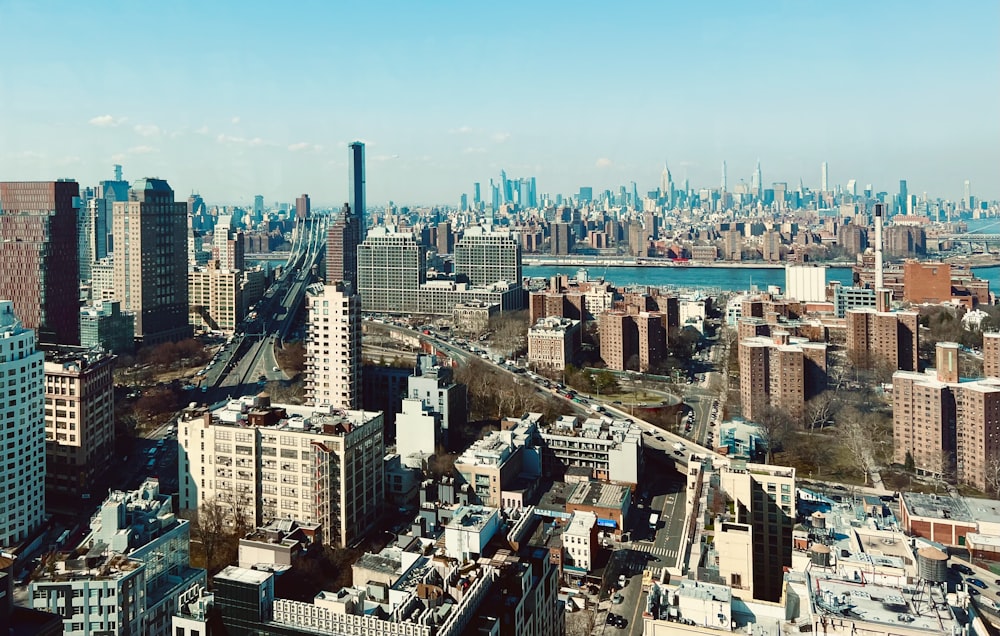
(820, 410)
(773, 425)
(866, 439)
(993, 474)
(210, 527)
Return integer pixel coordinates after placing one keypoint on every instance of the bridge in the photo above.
(282, 255)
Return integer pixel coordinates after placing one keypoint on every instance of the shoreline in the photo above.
(667, 264)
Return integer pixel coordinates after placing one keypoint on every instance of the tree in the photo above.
(209, 527)
(908, 464)
(773, 425)
(866, 439)
(993, 474)
(605, 382)
(820, 410)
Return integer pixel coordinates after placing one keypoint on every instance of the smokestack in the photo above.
(880, 299)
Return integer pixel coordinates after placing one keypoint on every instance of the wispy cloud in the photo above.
(304, 145)
(142, 150)
(147, 130)
(29, 154)
(603, 162)
(381, 158)
(202, 131)
(68, 161)
(106, 121)
(235, 119)
(501, 137)
(240, 141)
(461, 130)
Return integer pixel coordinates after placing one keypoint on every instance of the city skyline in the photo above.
(265, 101)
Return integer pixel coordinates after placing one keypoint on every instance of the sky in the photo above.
(233, 99)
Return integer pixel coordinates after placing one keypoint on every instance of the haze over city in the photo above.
(263, 99)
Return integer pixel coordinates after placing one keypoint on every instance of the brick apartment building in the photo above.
(780, 371)
(883, 338)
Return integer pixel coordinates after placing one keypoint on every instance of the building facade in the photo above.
(342, 241)
(781, 373)
(150, 263)
(484, 257)
(39, 256)
(23, 428)
(553, 343)
(333, 346)
(79, 419)
(316, 465)
(103, 324)
(883, 339)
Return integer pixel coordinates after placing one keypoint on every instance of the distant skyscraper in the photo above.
(824, 178)
(22, 476)
(724, 178)
(463, 203)
(533, 193)
(967, 200)
(902, 201)
(151, 266)
(356, 186)
(524, 193)
(258, 207)
(757, 182)
(39, 257)
(586, 194)
(302, 206)
(476, 195)
(494, 196)
(852, 187)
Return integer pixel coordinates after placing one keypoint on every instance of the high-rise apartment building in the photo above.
(943, 424)
(390, 271)
(780, 372)
(333, 346)
(445, 243)
(79, 419)
(619, 340)
(150, 264)
(313, 464)
(882, 338)
(652, 338)
(356, 185)
(216, 297)
(553, 343)
(561, 237)
(22, 480)
(92, 227)
(39, 256)
(484, 257)
(991, 354)
(434, 384)
(342, 240)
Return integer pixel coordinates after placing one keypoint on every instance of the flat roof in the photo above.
(243, 575)
(597, 494)
(943, 507)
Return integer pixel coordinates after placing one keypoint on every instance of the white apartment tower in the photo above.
(22, 424)
(333, 346)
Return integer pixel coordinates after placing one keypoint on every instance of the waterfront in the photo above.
(726, 279)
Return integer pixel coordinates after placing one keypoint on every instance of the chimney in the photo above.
(947, 362)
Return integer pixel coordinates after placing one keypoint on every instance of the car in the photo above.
(973, 591)
(996, 582)
(980, 584)
(679, 453)
(611, 619)
(618, 598)
(621, 622)
(961, 568)
(622, 580)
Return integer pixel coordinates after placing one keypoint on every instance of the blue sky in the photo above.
(233, 99)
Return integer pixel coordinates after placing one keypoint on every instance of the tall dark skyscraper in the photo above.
(150, 267)
(356, 185)
(342, 241)
(39, 257)
(302, 206)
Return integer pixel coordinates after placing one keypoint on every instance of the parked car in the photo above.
(980, 584)
(961, 568)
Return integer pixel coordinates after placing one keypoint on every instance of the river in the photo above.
(726, 279)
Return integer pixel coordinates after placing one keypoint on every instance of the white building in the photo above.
(612, 449)
(418, 429)
(131, 580)
(579, 541)
(312, 464)
(692, 313)
(470, 529)
(22, 481)
(333, 346)
(433, 385)
(805, 283)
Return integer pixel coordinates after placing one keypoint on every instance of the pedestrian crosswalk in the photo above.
(644, 546)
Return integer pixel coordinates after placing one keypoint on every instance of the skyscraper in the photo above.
(967, 192)
(824, 178)
(724, 177)
(391, 269)
(151, 265)
(342, 241)
(302, 206)
(22, 480)
(903, 198)
(258, 207)
(333, 346)
(39, 257)
(476, 195)
(356, 186)
(757, 182)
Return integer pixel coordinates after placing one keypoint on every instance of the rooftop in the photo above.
(937, 507)
(598, 495)
(243, 575)
(884, 605)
